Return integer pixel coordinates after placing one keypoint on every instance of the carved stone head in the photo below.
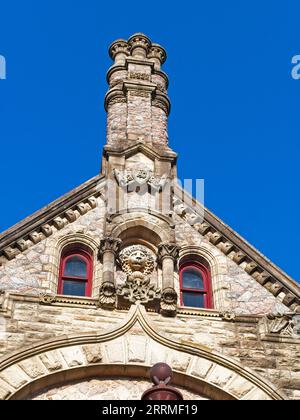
(137, 258)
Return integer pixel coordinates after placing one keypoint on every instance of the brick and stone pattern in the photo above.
(137, 103)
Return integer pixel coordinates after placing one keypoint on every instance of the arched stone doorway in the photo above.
(127, 352)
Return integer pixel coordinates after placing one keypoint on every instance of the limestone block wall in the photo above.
(104, 389)
(29, 323)
(38, 267)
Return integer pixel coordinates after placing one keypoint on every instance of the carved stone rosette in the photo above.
(47, 298)
(168, 302)
(107, 295)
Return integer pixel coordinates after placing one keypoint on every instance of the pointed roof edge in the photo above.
(49, 212)
(83, 198)
(273, 278)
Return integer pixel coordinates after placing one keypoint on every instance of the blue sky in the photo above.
(235, 107)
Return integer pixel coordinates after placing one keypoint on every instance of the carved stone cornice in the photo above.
(43, 224)
(168, 302)
(109, 244)
(224, 238)
(113, 96)
(107, 295)
(167, 250)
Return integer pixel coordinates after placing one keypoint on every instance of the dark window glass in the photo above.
(195, 300)
(192, 279)
(74, 288)
(76, 267)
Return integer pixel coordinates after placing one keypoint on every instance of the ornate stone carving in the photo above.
(137, 259)
(167, 250)
(107, 295)
(139, 76)
(168, 303)
(120, 46)
(138, 263)
(109, 244)
(156, 51)
(228, 316)
(118, 100)
(161, 105)
(284, 324)
(47, 298)
(135, 178)
(138, 289)
(140, 93)
(139, 41)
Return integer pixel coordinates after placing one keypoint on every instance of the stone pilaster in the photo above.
(109, 247)
(167, 257)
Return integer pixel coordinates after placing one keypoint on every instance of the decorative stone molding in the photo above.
(109, 244)
(138, 289)
(139, 45)
(68, 216)
(119, 47)
(162, 101)
(140, 93)
(228, 316)
(28, 369)
(157, 52)
(47, 298)
(283, 324)
(167, 250)
(139, 76)
(168, 302)
(107, 295)
(239, 256)
(131, 179)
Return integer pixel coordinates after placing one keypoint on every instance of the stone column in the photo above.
(109, 247)
(167, 256)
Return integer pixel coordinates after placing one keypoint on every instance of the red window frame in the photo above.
(206, 291)
(88, 280)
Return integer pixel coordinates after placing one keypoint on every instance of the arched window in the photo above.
(76, 271)
(195, 285)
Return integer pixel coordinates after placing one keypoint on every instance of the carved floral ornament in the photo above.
(131, 179)
(287, 324)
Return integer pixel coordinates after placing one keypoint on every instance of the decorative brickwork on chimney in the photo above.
(137, 102)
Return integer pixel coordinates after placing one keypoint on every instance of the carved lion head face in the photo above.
(137, 258)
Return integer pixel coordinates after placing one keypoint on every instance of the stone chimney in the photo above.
(137, 102)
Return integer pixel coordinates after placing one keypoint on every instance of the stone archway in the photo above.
(132, 347)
